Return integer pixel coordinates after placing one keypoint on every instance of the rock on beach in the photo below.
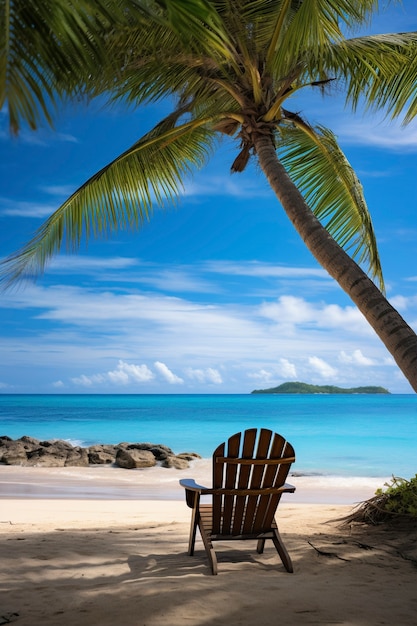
(28, 451)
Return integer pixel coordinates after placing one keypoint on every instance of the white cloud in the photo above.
(176, 281)
(67, 138)
(262, 375)
(89, 381)
(180, 279)
(42, 137)
(58, 384)
(128, 372)
(356, 357)
(287, 369)
(372, 131)
(225, 186)
(288, 309)
(400, 303)
(169, 376)
(291, 311)
(264, 270)
(65, 263)
(124, 374)
(208, 375)
(58, 190)
(406, 234)
(22, 208)
(322, 368)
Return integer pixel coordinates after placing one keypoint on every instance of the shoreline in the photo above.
(157, 483)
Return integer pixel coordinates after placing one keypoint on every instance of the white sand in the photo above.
(99, 550)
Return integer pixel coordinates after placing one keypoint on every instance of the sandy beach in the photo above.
(101, 547)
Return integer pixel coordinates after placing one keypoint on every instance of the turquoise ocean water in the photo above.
(346, 435)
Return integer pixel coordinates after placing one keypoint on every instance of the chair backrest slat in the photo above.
(218, 471)
(248, 447)
(258, 472)
(230, 480)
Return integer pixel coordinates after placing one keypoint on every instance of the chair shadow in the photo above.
(174, 565)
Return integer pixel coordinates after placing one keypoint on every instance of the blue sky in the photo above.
(216, 296)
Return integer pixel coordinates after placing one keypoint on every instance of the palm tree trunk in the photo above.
(391, 328)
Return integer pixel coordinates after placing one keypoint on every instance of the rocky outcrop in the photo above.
(179, 461)
(101, 454)
(132, 458)
(28, 451)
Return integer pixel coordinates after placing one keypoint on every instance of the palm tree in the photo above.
(232, 69)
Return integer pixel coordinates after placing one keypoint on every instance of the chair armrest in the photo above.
(193, 491)
(287, 488)
(191, 485)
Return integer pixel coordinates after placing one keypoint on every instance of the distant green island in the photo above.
(306, 388)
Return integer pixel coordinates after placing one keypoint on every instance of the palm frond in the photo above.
(305, 29)
(121, 195)
(379, 71)
(331, 188)
(147, 65)
(198, 21)
(47, 50)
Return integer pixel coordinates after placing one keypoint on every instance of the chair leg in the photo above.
(197, 522)
(213, 561)
(260, 546)
(282, 551)
(209, 551)
(193, 531)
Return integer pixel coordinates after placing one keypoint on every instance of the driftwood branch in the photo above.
(329, 554)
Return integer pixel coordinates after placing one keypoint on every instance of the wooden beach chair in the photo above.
(249, 476)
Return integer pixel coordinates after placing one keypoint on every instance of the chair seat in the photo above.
(206, 517)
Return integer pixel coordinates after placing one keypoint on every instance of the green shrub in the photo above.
(398, 502)
(400, 496)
